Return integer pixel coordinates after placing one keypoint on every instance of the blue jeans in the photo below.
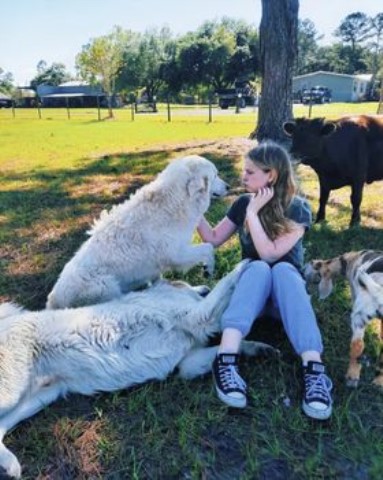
(281, 291)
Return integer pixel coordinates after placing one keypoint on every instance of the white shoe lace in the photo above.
(230, 377)
(318, 387)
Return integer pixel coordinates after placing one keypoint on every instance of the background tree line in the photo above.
(212, 57)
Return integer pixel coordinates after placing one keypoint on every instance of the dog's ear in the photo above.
(325, 287)
(198, 185)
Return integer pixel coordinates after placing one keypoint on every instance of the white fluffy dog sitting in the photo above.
(140, 239)
(106, 347)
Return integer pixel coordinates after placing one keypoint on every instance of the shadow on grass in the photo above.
(323, 241)
(344, 210)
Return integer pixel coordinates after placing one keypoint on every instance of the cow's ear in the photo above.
(328, 128)
(288, 128)
(325, 287)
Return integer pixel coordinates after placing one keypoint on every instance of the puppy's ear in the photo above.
(325, 287)
(197, 185)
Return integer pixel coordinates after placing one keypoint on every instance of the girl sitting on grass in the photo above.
(271, 221)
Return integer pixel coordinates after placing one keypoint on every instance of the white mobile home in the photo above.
(344, 88)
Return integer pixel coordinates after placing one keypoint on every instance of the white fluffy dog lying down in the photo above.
(139, 337)
(140, 239)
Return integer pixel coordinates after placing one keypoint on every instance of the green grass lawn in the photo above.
(56, 177)
(54, 142)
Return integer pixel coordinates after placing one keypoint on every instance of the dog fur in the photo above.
(139, 337)
(364, 272)
(147, 235)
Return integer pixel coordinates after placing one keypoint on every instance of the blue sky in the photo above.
(55, 30)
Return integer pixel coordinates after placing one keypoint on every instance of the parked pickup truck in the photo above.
(240, 95)
(316, 94)
(5, 102)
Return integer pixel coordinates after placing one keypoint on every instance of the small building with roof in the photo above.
(74, 94)
(344, 88)
(25, 97)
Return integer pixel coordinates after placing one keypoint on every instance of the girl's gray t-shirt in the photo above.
(299, 211)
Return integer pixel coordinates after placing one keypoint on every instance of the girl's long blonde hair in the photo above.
(269, 155)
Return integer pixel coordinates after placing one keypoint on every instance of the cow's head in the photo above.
(308, 136)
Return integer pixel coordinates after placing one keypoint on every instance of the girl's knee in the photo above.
(258, 267)
(284, 268)
(285, 273)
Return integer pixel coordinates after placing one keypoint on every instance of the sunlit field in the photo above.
(54, 141)
(57, 174)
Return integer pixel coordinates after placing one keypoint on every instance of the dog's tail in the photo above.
(9, 309)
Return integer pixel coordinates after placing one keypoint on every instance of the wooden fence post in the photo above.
(39, 108)
(67, 107)
(169, 113)
(98, 108)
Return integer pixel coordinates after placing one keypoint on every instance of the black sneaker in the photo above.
(317, 401)
(231, 388)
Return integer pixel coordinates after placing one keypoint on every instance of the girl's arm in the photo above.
(272, 250)
(217, 235)
(269, 250)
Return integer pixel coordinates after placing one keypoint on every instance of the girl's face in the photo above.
(254, 178)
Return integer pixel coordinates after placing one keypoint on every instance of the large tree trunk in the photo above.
(380, 106)
(110, 108)
(278, 49)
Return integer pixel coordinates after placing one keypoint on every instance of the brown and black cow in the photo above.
(347, 151)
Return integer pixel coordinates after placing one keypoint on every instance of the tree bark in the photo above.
(278, 36)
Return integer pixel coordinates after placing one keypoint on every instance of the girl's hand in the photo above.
(259, 200)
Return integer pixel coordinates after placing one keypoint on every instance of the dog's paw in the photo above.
(207, 271)
(353, 375)
(208, 268)
(378, 381)
(9, 464)
(207, 252)
(258, 349)
(352, 382)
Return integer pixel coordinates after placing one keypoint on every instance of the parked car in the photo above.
(297, 96)
(241, 94)
(5, 103)
(316, 94)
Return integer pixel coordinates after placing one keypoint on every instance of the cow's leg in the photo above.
(324, 193)
(356, 350)
(356, 200)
